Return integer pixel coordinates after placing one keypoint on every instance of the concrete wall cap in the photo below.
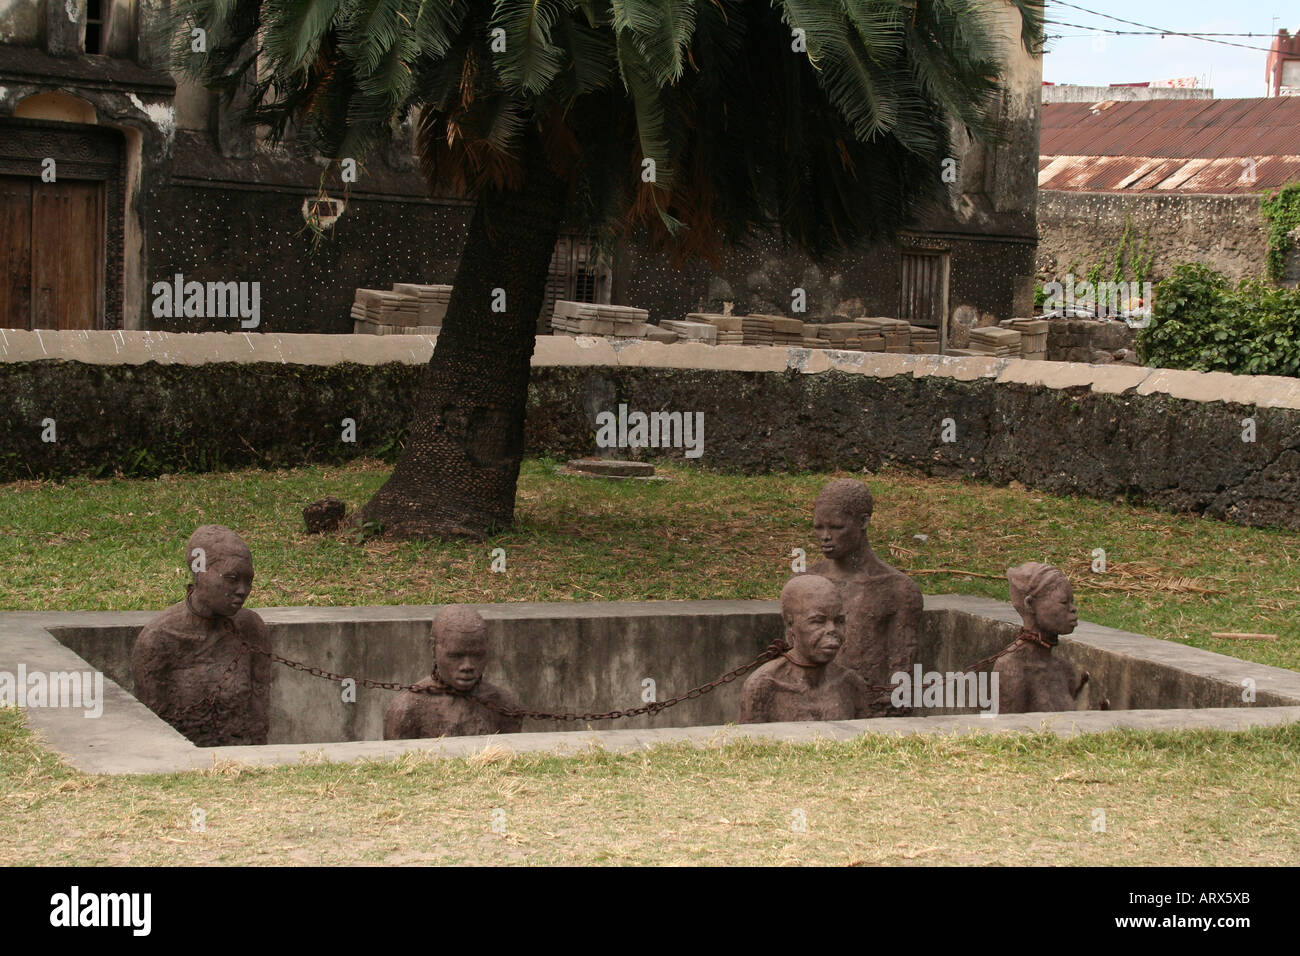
(175, 348)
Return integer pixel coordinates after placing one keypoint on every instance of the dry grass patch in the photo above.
(1208, 798)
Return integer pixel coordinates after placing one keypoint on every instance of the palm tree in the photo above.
(692, 122)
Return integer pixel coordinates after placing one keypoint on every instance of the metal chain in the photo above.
(1023, 636)
(774, 650)
(778, 648)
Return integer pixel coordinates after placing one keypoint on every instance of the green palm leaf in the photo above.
(660, 30)
(300, 24)
(829, 145)
(530, 60)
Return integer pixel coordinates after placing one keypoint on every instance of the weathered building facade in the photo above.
(1184, 178)
(116, 174)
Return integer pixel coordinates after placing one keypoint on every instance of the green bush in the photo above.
(1200, 322)
(1282, 213)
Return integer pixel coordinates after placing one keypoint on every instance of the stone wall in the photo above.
(1082, 340)
(1224, 232)
(1069, 93)
(242, 219)
(985, 277)
(152, 402)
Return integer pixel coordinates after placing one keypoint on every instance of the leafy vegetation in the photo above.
(1201, 322)
(1282, 213)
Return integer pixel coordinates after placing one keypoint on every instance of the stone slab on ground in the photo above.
(612, 467)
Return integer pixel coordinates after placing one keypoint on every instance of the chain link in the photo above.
(777, 648)
(774, 650)
(1023, 636)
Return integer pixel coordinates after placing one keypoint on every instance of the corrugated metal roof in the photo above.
(1154, 174)
(1204, 146)
(1177, 129)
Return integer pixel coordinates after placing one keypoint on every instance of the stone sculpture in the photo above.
(1031, 679)
(189, 663)
(450, 702)
(806, 683)
(882, 605)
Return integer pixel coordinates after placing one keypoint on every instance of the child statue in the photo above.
(451, 702)
(882, 605)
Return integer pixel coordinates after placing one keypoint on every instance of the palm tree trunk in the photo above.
(457, 475)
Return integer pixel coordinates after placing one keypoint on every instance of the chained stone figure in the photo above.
(806, 683)
(882, 605)
(1031, 678)
(189, 665)
(451, 701)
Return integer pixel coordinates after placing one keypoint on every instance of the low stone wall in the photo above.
(1083, 229)
(151, 402)
(1084, 340)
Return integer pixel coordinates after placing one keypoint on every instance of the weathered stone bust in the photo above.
(460, 652)
(1031, 679)
(882, 605)
(188, 663)
(806, 683)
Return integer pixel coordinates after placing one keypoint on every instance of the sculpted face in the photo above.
(461, 654)
(222, 589)
(838, 533)
(1053, 608)
(815, 625)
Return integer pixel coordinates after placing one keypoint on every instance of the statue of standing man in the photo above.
(882, 605)
(190, 664)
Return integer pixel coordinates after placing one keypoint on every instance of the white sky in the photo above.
(1084, 57)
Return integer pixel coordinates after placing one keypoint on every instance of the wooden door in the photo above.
(16, 252)
(924, 289)
(51, 253)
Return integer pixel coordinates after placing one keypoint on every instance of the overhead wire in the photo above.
(1152, 30)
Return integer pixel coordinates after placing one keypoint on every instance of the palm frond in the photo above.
(437, 24)
(829, 147)
(660, 30)
(647, 104)
(299, 27)
(530, 61)
(591, 59)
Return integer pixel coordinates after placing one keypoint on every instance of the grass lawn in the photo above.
(1174, 799)
(1184, 798)
(118, 545)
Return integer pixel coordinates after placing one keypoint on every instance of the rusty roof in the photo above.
(1200, 146)
(1154, 174)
